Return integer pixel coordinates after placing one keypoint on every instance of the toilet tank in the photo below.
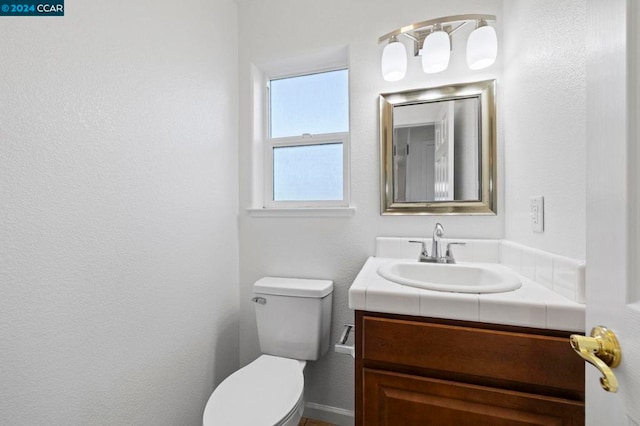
(293, 316)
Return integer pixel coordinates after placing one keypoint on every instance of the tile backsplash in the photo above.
(563, 275)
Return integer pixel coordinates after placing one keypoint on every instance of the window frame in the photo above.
(305, 139)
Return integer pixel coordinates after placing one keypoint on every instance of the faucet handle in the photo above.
(449, 253)
(424, 253)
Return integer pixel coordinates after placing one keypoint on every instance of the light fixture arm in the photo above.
(410, 37)
(458, 27)
(481, 23)
(420, 26)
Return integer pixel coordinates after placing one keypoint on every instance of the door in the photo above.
(444, 143)
(613, 198)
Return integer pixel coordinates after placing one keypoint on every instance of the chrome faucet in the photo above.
(436, 248)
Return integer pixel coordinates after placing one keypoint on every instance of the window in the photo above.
(308, 141)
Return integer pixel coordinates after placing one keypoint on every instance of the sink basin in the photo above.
(456, 278)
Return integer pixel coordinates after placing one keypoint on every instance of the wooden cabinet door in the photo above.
(520, 361)
(406, 400)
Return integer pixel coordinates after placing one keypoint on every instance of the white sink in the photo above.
(456, 278)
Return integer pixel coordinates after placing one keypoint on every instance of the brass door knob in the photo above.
(602, 350)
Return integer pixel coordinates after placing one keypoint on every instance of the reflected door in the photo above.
(444, 153)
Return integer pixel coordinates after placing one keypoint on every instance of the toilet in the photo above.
(294, 320)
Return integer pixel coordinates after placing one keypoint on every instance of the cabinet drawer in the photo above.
(515, 357)
(399, 399)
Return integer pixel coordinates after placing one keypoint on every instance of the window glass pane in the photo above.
(314, 103)
(308, 173)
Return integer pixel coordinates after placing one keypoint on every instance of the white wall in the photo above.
(544, 93)
(118, 204)
(336, 248)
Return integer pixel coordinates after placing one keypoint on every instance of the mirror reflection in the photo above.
(438, 150)
(435, 151)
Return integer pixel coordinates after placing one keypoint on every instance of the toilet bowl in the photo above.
(293, 317)
(269, 391)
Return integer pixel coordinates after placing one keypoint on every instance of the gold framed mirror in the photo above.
(438, 150)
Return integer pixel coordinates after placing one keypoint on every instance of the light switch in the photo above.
(537, 214)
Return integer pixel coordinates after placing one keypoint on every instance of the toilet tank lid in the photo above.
(299, 287)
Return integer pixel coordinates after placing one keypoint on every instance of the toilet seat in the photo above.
(265, 392)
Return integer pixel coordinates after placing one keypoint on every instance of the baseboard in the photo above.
(325, 413)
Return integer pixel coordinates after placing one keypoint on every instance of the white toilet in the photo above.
(294, 319)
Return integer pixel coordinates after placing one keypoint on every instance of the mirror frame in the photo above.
(485, 91)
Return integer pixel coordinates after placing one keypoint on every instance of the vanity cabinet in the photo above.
(425, 371)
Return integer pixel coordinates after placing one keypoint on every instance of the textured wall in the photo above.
(544, 93)
(118, 204)
(336, 248)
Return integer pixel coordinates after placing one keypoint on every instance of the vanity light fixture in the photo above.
(482, 46)
(432, 41)
(394, 60)
(436, 51)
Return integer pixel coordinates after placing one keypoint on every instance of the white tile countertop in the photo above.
(532, 305)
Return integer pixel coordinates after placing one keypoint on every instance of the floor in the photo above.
(310, 422)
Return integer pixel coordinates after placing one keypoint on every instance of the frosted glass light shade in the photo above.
(436, 52)
(482, 48)
(394, 61)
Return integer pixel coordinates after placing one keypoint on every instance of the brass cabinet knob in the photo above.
(602, 350)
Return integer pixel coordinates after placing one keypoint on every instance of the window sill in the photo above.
(303, 212)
